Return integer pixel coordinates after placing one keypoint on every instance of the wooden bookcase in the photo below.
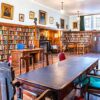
(76, 37)
(78, 41)
(10, 34)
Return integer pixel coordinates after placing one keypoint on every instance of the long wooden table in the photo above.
(59, 77)
(17, 54)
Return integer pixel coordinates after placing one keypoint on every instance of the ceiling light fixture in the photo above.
(78, 15)
(62, 7)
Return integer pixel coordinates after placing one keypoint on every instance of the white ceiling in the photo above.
(72, 6)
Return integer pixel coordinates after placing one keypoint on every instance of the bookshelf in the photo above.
(76, 37)
(80, 40)
(3, 44)
(10, 34)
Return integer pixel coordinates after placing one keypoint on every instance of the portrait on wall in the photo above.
(21, 17)
(62, 23)
(51, 20)
(31, 15)
(75, 25)
(7, 11)
(42, 17)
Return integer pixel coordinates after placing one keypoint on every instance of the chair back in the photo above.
(61, 56)
(6, 87)
(47, 95)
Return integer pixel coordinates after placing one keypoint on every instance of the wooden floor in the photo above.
(55, 59)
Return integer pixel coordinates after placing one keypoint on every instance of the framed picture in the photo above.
(21, 17)
(42, 17)
(75, 25)
(7, 11)
(62, 23)
(51, 20)
(31, 15)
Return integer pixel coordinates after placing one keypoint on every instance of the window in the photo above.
(87, 21)
(92, 22)
(96, 22)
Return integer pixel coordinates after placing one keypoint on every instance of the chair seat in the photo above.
(33, 91)
(61, 56)
(95, 82)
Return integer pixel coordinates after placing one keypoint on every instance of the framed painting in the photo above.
(21, 17)
(75, 25)
(51, 20)
(42, 17)
(62, 23)
(7, 11)
(31, 15)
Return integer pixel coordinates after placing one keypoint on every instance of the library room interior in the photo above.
(49, 50)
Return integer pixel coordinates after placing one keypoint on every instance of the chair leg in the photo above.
(88, 96)
(43, 59)
(52, 58)
(19, 94)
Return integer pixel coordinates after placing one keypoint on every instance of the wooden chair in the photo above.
(46, 56)
(80, 48)
(25, 61)
(47, 95)
(93, 87)
(71, 48)
(36, 93)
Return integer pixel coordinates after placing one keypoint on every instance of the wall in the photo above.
(72, 19)
(24, 6)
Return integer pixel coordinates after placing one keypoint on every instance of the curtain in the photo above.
(82, 27)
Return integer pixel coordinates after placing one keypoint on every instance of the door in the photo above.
(98, 44)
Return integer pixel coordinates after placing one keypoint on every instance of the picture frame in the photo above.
(75, 25)
(7, 11)
(51, 20)
(62, 23)
(21, 17)
(42, 17)
(31, 15)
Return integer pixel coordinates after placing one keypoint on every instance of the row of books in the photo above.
(3, 47)
(5, 42)
(21, 33)
(17, 29)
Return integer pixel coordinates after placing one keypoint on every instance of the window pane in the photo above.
(87, 20)
(96, 22)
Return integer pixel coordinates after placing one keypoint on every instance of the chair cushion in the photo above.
(95, 82)
(20, 46)
(61, 56)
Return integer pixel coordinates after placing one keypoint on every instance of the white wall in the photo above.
(72, 19)
(24, 6)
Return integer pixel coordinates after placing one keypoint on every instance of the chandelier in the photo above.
(78, 15)
(62, 7)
